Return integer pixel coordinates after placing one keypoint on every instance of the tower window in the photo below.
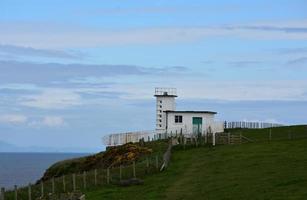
(160, 115)
(160, 106)
(160, 101)
(178, 118)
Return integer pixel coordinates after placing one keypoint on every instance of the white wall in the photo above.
(168, 103)
(187, 125)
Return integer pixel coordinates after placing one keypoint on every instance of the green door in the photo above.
(197, 126)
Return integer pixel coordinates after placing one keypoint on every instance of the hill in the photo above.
(259, 170)
(112, 157)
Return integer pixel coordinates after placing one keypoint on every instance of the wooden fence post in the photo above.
(213, 139)
(95, 177)
(29, 192)
(15, 191)
(228, 138)
(64, 184)
(157, 162)
(84, 179)
(147, 162)
(108, 175)
(74, 182)
(120, 172)
(53, 188)
(184, 142)
(196, 142)
(2, 194)
(133, 165)
(42, 189)
(240, 138)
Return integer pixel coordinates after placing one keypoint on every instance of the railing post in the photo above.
(53, 188)
(74, 182)
(15, 191)
(29, 192)
(2, 194)
(134, 173)
(84, 179)
(95, 177)
(64, 184)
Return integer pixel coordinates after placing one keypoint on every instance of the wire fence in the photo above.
(57, 187)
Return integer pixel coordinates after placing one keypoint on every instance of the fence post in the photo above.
(120, 172)
(240, 138)
(134, 173)
(95, 177)
(15, 191)
(157, 162)
(29, 192)
(64, 184)
(228, 137)
(2, 194)
(42, 188)
(53, 188)
(74, 182)
(184, 142)
(84, 179)
(270, 134)
(213, 139)
(147, 162)
(108, 175)
(196, 142)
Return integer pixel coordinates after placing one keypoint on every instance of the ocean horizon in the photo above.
(23, 168)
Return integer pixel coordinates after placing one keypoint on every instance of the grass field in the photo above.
(260, 170)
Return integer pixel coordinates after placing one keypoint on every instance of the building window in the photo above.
(160, 106)
(160, 111)
(178, 118)
(160, 125)
(160, 101)
(160, 120)
(160, 115)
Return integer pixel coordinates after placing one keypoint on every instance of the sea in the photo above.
(23, 168)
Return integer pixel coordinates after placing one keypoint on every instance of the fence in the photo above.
(56, 187)
(126, 137)
(250, 125)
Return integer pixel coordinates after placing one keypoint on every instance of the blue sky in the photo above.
(78, 70)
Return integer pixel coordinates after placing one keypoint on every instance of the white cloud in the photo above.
(52, 99)
(53, 121)
(13, 119)
(70, 37)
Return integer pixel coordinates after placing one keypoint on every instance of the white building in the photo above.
(171, 121)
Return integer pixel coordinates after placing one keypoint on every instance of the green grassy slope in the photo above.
(277, 133)
(264, 170)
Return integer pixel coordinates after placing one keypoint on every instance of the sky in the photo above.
(73, 71)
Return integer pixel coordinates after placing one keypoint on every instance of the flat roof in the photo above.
(165, 95)
(190, 111)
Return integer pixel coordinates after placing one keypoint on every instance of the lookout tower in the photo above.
(165, 101)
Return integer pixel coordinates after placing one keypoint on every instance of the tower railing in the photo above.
(166, 91)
